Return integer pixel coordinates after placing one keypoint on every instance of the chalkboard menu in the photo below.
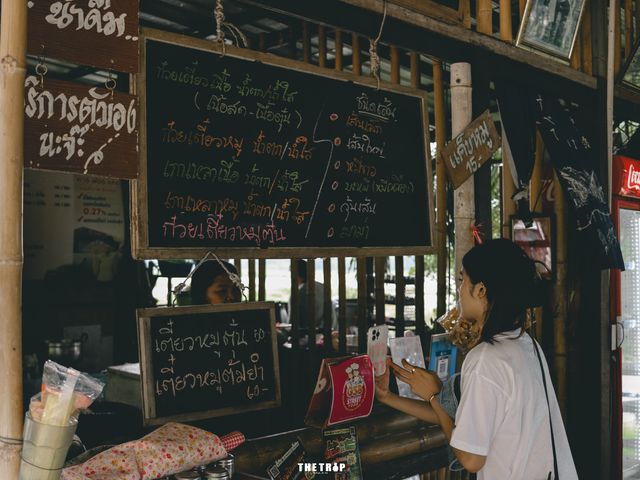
(207, 361)
(254, 153)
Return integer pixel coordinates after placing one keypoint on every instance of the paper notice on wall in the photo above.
(71, 219)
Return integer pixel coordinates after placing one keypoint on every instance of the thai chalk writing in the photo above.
(297, 149)
(98, 17)
(355, 232)
(358, 187)
(289, 181)
(233, 338)
(220, 104)
(226, 173)
(213, 229)
(189, 76)
(197, 205)
(91, 110)
(200, 137)
(363, 144)
(265, 112)
(467, 142)
(359, 168)
(276, 92)
(380, 110)
(289, 211)
(365, 125)
(364, 207)
(396, 184)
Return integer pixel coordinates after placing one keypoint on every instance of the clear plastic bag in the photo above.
(462, 332)
(65, 392)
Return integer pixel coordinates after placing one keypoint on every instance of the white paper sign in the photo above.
(410, 349)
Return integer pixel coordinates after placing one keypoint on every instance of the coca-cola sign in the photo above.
(626, 177)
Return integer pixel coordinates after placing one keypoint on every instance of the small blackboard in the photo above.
(207, 361)
(260, 156)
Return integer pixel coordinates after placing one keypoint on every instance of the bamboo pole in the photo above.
(463, 204)
(294, 317)
(339, 57)
(484, 17)
(506, 30)
(535, 205)
(395, 64)
(362, 305)
(617, 55)
(328, 306)
(322, 46)
(441, 186)
(465, 13)
(587, 56)
(306, 43)
(628, 28)
(262, 279)
(311, 308)
(560, 296)
(400, 296)
(508, 189)
(355, 54)
(238, 264)
(637, 17)
(252, 280)
(342, 304)
(380, 264)
(13, 43)
(576, 55)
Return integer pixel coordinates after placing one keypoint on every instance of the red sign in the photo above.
(77, 128)
(626, 177)
(100, 33)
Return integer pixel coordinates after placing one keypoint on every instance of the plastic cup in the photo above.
(44, 449)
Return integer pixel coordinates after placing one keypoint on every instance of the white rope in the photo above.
(373, 48)
(238, 36)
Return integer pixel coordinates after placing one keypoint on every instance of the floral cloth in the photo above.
(172, 448)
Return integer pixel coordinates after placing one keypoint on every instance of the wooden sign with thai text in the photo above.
(273, 157)
(77, 128)
(207, 361)
(466, 153)
(99, 33)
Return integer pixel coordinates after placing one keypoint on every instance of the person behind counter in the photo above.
(303, 300)
(503, 423)
(210, 284)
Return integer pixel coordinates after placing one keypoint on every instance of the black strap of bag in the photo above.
(546, 393)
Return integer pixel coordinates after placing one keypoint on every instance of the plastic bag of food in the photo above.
(462, 332)
(65, 392)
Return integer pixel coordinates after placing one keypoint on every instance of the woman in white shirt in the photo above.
(502, 424)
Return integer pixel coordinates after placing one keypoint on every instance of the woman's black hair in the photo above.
(204, 276)
(509, 277)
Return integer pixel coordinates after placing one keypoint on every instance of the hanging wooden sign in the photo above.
(80, 129)
(466, 153)
(107, 31)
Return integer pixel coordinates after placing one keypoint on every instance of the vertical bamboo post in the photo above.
(362, 305)
(262, 279)
(13, 40)
(380, 264)
(576, 55)
(338, 42)
(294, 317)
(535, 205)
(508, 189)
(560, 296)
(252, 280)
(628, 28)
(617, 55)
(328, 306)
(395, 64)
(322, 46)
(506, 30)
(637, 17)
(463, 204)
(355, 52)
(587, 56)
(306, 43)
(419, 259)
(342, 304)
(400, 296)
(262, 42)
(465, 13)
(484, 16)
(238, 264)
(311, 304)
(441, 186)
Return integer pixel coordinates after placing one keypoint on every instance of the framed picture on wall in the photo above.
(538, 242)
(551, 26)
(631, 72)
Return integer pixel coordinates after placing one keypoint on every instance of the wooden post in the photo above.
(508, 189)
(328, 306)
(628, 28)
(338, 64)
(311, 304)
(238, 264)
(400, 296)
(252, 280)
(587, 55)
(262, 279)
(363, 323)
(617, 55)
(535, 205)
(13, 44)
(322, 46)
(355, 54)
(463, 203)
(506, 31)
(380, 266)
(395, 64)
(484, 17)
(441, 186)
(306, 43)
(342, 305)
(294, 307)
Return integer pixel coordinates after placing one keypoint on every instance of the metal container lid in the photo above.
(189, 475)
(216, 473)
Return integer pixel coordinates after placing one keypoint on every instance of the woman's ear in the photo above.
(481, 290)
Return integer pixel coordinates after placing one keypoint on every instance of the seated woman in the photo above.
(210, 284)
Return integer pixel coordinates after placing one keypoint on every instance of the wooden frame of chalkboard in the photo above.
(417, 213)
(174, 374)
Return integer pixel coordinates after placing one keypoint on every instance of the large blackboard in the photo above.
(255, 153)
(201, 362)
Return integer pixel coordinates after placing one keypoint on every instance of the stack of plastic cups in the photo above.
(44, 449)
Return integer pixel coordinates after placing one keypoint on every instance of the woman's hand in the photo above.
(422, 382)
(382, 383)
